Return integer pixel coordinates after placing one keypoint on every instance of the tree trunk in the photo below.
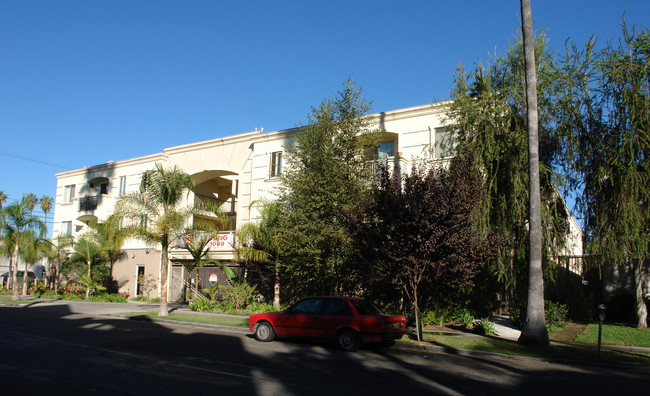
(418, 322)
(276, 287)
(164, 263)
(25, 280)
(88, 285)
(14, 274)
(641, 309)
(534, 331)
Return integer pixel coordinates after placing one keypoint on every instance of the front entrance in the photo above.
(139, 288)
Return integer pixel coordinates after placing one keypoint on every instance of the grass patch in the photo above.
(193, 318)
(614, 334)
(506, 347)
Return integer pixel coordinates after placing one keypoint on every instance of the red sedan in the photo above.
(349, 321)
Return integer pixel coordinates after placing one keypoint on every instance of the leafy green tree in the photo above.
(603, 115)
(260, 243)
(418, 228)
(17, 225)
(534, 331)
(323, 180)
(91, 255)
(156, 215)
(488, 121)
(31, 200)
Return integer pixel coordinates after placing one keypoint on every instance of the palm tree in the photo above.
(258, 242)
(534, 331)
(156, 216)
(34, 248)
(46, 203)
(17, 223)
(197, 245)
(90, 254)
(111, 237)
(58, 252)
(3, 198)
(31, 200)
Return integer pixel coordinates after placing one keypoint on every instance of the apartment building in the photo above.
(234, 171)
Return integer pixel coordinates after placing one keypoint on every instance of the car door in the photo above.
(336, 313)
(302, 319)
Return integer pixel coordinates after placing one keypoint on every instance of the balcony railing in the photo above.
(225, 206)
(87, 204)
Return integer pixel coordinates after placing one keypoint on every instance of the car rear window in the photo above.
(336, 306)
(365, 307)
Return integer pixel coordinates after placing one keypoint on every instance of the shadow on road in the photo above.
(53, 349)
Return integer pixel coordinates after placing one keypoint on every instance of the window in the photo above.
(103, 188)
(444, 147)
(307, 306)
(122, 190)
(276, 164)
(66, 227)
(68, 193)
(336, 306)
(385, 150)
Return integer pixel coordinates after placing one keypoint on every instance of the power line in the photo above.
(35, 160)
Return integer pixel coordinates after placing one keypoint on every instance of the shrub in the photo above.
(436, 316)
(464, 316)
(200, 305)
(487, 327)
(105, 297)
(240, 295)
(556, 315)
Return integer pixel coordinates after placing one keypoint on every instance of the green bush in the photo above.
(464, 316)
(105, 297)
(241, 295)
(201, 305)
(556, 315)
(487, 327)
(436, 316)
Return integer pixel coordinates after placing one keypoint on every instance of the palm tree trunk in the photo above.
(164, 263)
(534, 331)
(14, 274)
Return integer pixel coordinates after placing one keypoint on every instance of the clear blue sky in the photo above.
(85, 82)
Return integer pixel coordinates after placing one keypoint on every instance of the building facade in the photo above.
(234, 171)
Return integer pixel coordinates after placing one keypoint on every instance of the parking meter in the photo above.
(601, 317)
(601, 312)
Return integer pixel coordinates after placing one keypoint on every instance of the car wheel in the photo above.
(348, 340)
(264, 332)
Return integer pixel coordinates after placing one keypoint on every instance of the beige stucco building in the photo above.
(234, 170)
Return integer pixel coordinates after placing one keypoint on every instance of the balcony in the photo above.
(87, 204)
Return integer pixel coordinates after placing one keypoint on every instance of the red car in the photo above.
(349, 321)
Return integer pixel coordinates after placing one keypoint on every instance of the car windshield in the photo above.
(365, 307)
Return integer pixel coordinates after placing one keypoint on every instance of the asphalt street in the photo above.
(76, 348)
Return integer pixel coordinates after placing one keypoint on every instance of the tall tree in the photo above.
(31, 200)
(534, 331)
(156, 215)
(17, 225)
(46, 203)
(260, 243)
(325, 178)
(488, 120)
(419, 229)
(603, 108)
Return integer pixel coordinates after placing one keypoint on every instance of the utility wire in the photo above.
(35, 160)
